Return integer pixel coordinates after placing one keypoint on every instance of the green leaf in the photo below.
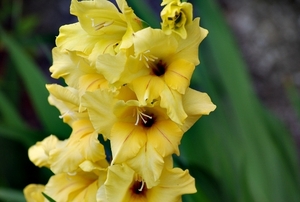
(10, 114)
(25, 136)
(241, 143)
(293, 95)
(34, 82)
(11, 195)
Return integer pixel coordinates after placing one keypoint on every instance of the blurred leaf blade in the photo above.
(256, 155)
(294, 96)
(26, 137)
(11, 195)
(10, 114)
(35, 84)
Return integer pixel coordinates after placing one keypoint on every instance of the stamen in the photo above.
(141, 115)
(146, 64)
(145, 57)
(137, 117)
(93, 22)
(142, 187)
(72, 173)
(146, 115)
(101, 25)
(108, 23)
(152, 58)
(67, 113)
(64, 114)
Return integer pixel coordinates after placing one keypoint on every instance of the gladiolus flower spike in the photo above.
(130, 84)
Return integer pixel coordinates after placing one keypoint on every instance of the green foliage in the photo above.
(11, 195)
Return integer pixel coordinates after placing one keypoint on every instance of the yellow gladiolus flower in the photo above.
(123, 184)
(102, 28)
(131, 85)
(175, 16)
(142, 135)
(160, 69)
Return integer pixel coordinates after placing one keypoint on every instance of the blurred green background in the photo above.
(247, 150)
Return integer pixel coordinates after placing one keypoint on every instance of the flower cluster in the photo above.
(129, 83)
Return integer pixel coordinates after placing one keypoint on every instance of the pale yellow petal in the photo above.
(70, 66)
(126, 141)
(100, 105)
(133, 24)
(195, 105)
(82, 145)
(173, 184)
(111, 66)
(33, 193)
(178, 75)
(148, 164)
(120, 69)
(39, 153)
(196, 102)
(165, 137)
(160, 46)
(117, 185)
(99, 17)
(81, 187)
(92, 82)
(66, 94)
(66, 159)
(172, 101)
(188, 49)
(147, 88)
(66, 99)
(68, 39)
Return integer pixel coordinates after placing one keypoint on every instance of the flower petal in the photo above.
(33, 193)
(66, 99)
(76, 188)
(148, 164)
(39, 153)
(70, 66)
(100, 104)
(195, 105)
(178, 75)
(188, 48)
(172, 101)
(173, 184)
(98, 17)
(117, 185)
(92, 82)
(82, 145)
(165, 137)
(126, 141)
(147, 88)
